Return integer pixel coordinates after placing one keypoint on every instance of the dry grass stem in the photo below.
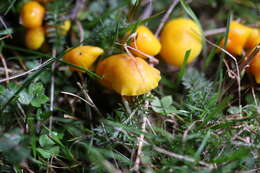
(166, 17)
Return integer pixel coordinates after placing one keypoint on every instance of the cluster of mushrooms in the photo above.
(31, 17)
(243, 39)
(130, 74)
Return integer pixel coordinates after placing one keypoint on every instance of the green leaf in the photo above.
(25, 98)
(36, 90)
(45, 154)
(9, 140)
(234, 110)
(166, 101)
(45, 141)
(157, 105)
(240, 153)
(6, 32)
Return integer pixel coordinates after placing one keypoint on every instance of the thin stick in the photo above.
(166, 16)
(184, 158)
(126, 105)
(244, 65)
(5, 26)
(28, 72)
(74, 95)
(214, 31)
(222, 30)
(52, 91)
(250, 58)
(9, 70)
(6, 36)
(147, 11)
(81, 31)
(256, 104)
(74, 12)
(237, 75)
(141, 140)
(185, 134)
(140, 146)
(5, 67)
(87, 97)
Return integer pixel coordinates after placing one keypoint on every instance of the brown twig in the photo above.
(244, 65)
(214, 31)
(166, 16)
(27, 72)
(6, 36)
(236, 75)
(52, 90)
(255, 100)
(185, 134)
(148, 10)
(5, 26)
(74, 12)
(81, 31)
(5, 67)
(87, 97)
(250, 58)
(223, 30)
(184, 158)
(140, 146)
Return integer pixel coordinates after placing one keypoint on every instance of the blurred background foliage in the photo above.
(191, 125)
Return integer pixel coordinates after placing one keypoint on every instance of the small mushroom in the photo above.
(32, 14)
(146, 42)
(83, 56)
(127, 75)
(177, 37)
(237, 38)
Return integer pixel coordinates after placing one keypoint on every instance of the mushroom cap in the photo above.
(255, 68)
(253, 39)
(146, 42)
(32, 14)
(178, 36)
(34, 38)
(65, 27)
(127, 75)
(61, 28)
(237, 38)
(83, 56)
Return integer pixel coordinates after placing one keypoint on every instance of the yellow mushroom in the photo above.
(83, 56)
(237, 38)
(128, 76)
(253, 39)
(64, 27)
(254, 68)
(146, 42)
(177, 37)
(32, 14)
(34, 38)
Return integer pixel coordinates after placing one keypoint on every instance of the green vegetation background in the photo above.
(193, 121)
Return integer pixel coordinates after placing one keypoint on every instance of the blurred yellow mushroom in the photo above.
(83, 56)
(127, 75)
(146, 42)
(64, 27)
(237, 38)
(253, 39)
(177, 37)
(32, 14)
(254, 68)
(34, 38)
